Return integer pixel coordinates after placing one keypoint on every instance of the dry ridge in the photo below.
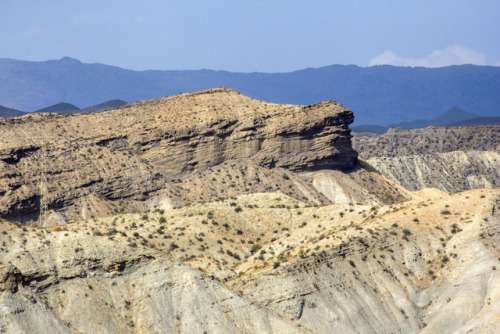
(452, 159)
(182, 149)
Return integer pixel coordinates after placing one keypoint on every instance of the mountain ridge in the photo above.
(61, 107)
(6, 112)
(111, 104)
(450, 116)
(379, 94)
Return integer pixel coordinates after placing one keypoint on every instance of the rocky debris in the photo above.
(452, 159)
(82, 165)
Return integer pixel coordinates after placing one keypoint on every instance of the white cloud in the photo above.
(452, 55)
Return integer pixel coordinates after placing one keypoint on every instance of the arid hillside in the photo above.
(452, 159)
(261, 263)
(176, 150)
(211, 212)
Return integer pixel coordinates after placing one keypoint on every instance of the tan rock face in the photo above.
(132, 153)
(293, 137)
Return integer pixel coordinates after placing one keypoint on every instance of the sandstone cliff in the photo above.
(85, 164)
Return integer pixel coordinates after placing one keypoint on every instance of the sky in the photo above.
(252, 36)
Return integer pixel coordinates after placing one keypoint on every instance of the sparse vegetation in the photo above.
(235, 222)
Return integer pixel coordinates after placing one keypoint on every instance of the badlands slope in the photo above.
(212, 212)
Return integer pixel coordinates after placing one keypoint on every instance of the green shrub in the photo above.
(255, 248)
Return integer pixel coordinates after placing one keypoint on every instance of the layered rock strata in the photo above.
(134, 151)
(78, 285)
(452, 159)
(276, 265)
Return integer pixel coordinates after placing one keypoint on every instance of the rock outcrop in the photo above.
(62, 163)
(452, 159)
(399, 142)
(77, 285)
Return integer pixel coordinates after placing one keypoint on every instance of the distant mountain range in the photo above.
(8, 112)
(449, 117)
(105, 106)
(379, 95)
(64, 108)
(452, 117)
(477, 121)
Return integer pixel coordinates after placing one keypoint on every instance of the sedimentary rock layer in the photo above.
(133, 151)
(452, 159)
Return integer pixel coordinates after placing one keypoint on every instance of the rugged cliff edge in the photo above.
(138, 151)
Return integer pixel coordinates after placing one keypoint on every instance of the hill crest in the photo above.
(61, 107)
(142, 150)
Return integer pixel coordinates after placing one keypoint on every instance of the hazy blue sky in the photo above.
(258, 35)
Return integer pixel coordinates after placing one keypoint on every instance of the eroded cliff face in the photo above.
(78, 285)
(77, 164)
(452, 159)
(399, 142)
